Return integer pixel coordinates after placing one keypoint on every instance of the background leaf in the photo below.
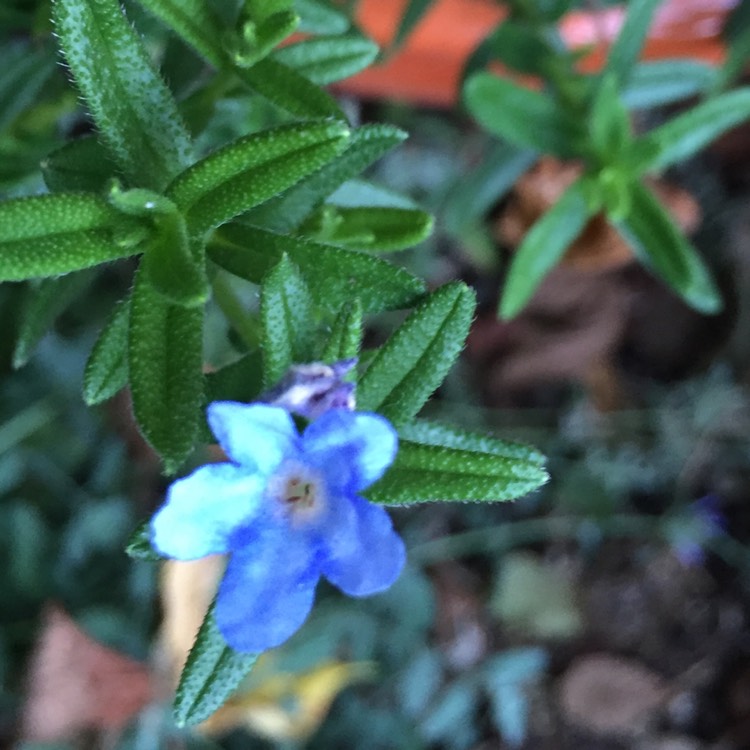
(345, 339)
(529, 119)
(543, 246)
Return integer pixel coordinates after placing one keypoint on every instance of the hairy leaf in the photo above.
(333, 274)
(133, 109)
(253, 169)
(287, 319)
(213, 671)
(426, 473)
(416, 358)
(345, 340)
(106, 370)
(165, 347)
(48, 235)
(288, 210)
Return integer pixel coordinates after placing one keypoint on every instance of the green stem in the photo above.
(504, 537)
(246, 325)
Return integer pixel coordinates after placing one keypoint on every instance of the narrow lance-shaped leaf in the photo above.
(48, 235)
(418, 355)
(623, 55)
(194, 22)
(660, 82)
(320, 18)
(660, 246)
(474, 194)
(288, 210)
(23, 72)
(373, 228)
(132, 107)
(213, 671)
(426, 473)
(413, 13)
(345, 339)
(106, 370)
(165, 358)
(543, 246)
(82, 164)
(251, 170)
(688, 133)
(333, 274)
(290, 90)
(286, 316)
(44, 302)
(529, 119)
(325, 60)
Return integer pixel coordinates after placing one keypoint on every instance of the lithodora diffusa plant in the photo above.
(281, 208)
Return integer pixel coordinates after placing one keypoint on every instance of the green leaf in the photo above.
(418, 355)
(609, 122)
(82, 164)
(240, 381)
(23, 72)
(357, 192)
(543, 246)
(139, 545)
(212, 673)
(175, 266)
(427, 473)
(661, 82)
(328, 59)
(334, 275)
(290, 90)
(287, 319)
(449, 436)
(688, 133)
(165, 359)
(474, 194)
(661, 247)
(529, 119)
(106, 370)
(319, 17)
(258, 36)
(194, 22)
(345, 340)
(624, 53)
(374, 228)
(132, 108)
(48, 235)
(253, 169)
(43, 303)
(288, 210)
(410, 18)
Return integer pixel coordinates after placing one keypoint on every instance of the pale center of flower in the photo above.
(298, 491)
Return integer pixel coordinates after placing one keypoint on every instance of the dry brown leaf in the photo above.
(76, 684)
(610, 695)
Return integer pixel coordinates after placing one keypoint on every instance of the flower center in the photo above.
(299, 491)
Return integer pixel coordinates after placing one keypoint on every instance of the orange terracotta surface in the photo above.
(427, 69)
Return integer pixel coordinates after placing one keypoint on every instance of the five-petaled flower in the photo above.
(287, 510)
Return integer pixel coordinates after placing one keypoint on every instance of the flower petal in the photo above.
(353, 449)
(203, 510)
(368, 556)
(267, 590)
(254, 435)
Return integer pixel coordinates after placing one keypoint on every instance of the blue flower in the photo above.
(287, 511)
